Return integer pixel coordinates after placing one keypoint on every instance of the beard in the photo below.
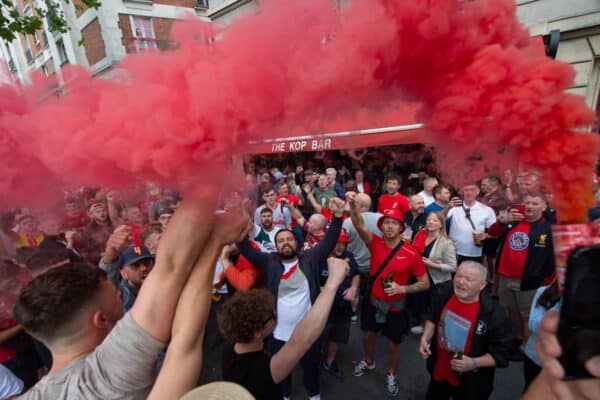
(287, 253)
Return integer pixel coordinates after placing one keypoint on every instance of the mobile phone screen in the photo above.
(579, 328)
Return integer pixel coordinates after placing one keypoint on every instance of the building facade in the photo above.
(578, 22)
(99, 39)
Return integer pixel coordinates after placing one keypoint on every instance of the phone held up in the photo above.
(579, 327)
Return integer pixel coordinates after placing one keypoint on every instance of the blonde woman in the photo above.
(438, 251)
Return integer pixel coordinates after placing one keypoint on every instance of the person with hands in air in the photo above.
(183, 362)
(292, 277)
(249, 318)
(99, 353)
(384, 308)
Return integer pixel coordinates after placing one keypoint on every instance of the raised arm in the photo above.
(296, 214)
(113, 214)
(327, 244)
(179, 248)
(357, 219)
(183, 363)
(311, 198)
(311, 326)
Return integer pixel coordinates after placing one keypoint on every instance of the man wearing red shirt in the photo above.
(393, 199)
(384, 308)
(526, 258)
(466, 336)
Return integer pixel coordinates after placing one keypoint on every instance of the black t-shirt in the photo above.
(252, 371)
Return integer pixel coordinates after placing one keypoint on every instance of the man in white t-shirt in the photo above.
(281, 215)
(469, 219)
(427, 192)
(264, 234)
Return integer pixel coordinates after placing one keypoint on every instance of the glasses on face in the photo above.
(273, 317)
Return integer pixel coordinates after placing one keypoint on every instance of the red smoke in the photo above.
(297, 67)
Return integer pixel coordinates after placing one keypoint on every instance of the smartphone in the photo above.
(579, 327)
(520, 208)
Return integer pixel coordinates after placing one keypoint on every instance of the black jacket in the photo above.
(539, 263)
(309, 261)
(493, 334)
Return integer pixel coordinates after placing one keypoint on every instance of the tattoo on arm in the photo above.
(415, 288)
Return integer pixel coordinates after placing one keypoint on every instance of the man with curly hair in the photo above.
(249, 317)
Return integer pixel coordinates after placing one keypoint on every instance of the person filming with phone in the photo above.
(525, 259)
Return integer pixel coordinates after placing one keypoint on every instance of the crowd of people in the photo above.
(113, 295)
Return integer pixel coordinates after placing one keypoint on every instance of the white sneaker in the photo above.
(363, 366)
(315, 397)
(391, 385)
(416, 330)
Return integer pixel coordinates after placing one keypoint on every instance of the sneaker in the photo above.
(391, 385)
(354, 318)
(363, 366)
(334, 370)
(416, 330)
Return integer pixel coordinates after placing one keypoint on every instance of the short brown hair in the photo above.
(394, 177)
(245, 314)
(49, 303)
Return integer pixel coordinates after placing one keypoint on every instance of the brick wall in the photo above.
(50, 67)
(79, 7)
(162, 31)
(95, 49)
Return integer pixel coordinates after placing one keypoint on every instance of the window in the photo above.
(45, 69)
(202, 3)
(62, 53)
(143, 33)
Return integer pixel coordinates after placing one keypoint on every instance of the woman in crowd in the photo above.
(438, 251)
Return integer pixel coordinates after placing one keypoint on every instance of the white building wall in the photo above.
(579, 25)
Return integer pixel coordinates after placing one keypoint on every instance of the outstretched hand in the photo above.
(338, 269)
(233, 224)
(336, 205)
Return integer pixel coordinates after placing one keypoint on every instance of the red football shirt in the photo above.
(454, 333)
(398, 201)
(514, 251)
(404, 263)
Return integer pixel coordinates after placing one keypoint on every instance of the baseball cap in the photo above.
(134, 254)
(93, 203)
(394, 214)
(343, 238)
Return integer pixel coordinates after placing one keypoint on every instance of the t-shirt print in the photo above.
(454, 331)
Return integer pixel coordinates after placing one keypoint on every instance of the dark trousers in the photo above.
(443, 391)
(530, 371)
(310, 363)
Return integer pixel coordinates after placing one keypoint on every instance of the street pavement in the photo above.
(412, 374)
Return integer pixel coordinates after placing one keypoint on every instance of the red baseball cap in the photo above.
(392, 213)
(343, 238)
